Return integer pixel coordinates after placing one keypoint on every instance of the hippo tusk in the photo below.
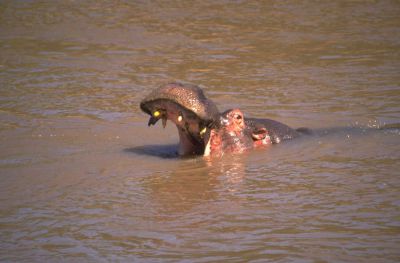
(153, 120)
(203, 131)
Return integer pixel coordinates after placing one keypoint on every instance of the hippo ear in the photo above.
(259, 133)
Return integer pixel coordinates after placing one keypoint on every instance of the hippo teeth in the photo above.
(153, 120)
(203, 131)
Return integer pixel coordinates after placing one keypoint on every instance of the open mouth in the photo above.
(185, 105)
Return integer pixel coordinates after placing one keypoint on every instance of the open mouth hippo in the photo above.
(202, 129)
(186, 106)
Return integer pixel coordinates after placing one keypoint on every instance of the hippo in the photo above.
(203, 129)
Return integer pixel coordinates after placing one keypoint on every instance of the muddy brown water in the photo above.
(83, 179)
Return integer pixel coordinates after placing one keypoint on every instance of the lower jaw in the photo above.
(187, 146)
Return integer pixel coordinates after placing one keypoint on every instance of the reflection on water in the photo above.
(84, 179)
(163, 151)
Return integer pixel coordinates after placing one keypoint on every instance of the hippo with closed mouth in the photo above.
(202, 129)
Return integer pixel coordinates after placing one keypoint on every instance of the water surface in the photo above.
(84, 179)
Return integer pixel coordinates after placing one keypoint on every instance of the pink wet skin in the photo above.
(234, 136)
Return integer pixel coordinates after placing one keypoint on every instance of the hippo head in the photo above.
(235, 134)
(202, 129)
(187, 107)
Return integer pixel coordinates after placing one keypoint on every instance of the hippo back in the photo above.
(276, 130)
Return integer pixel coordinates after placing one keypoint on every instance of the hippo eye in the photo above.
(238, 117)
